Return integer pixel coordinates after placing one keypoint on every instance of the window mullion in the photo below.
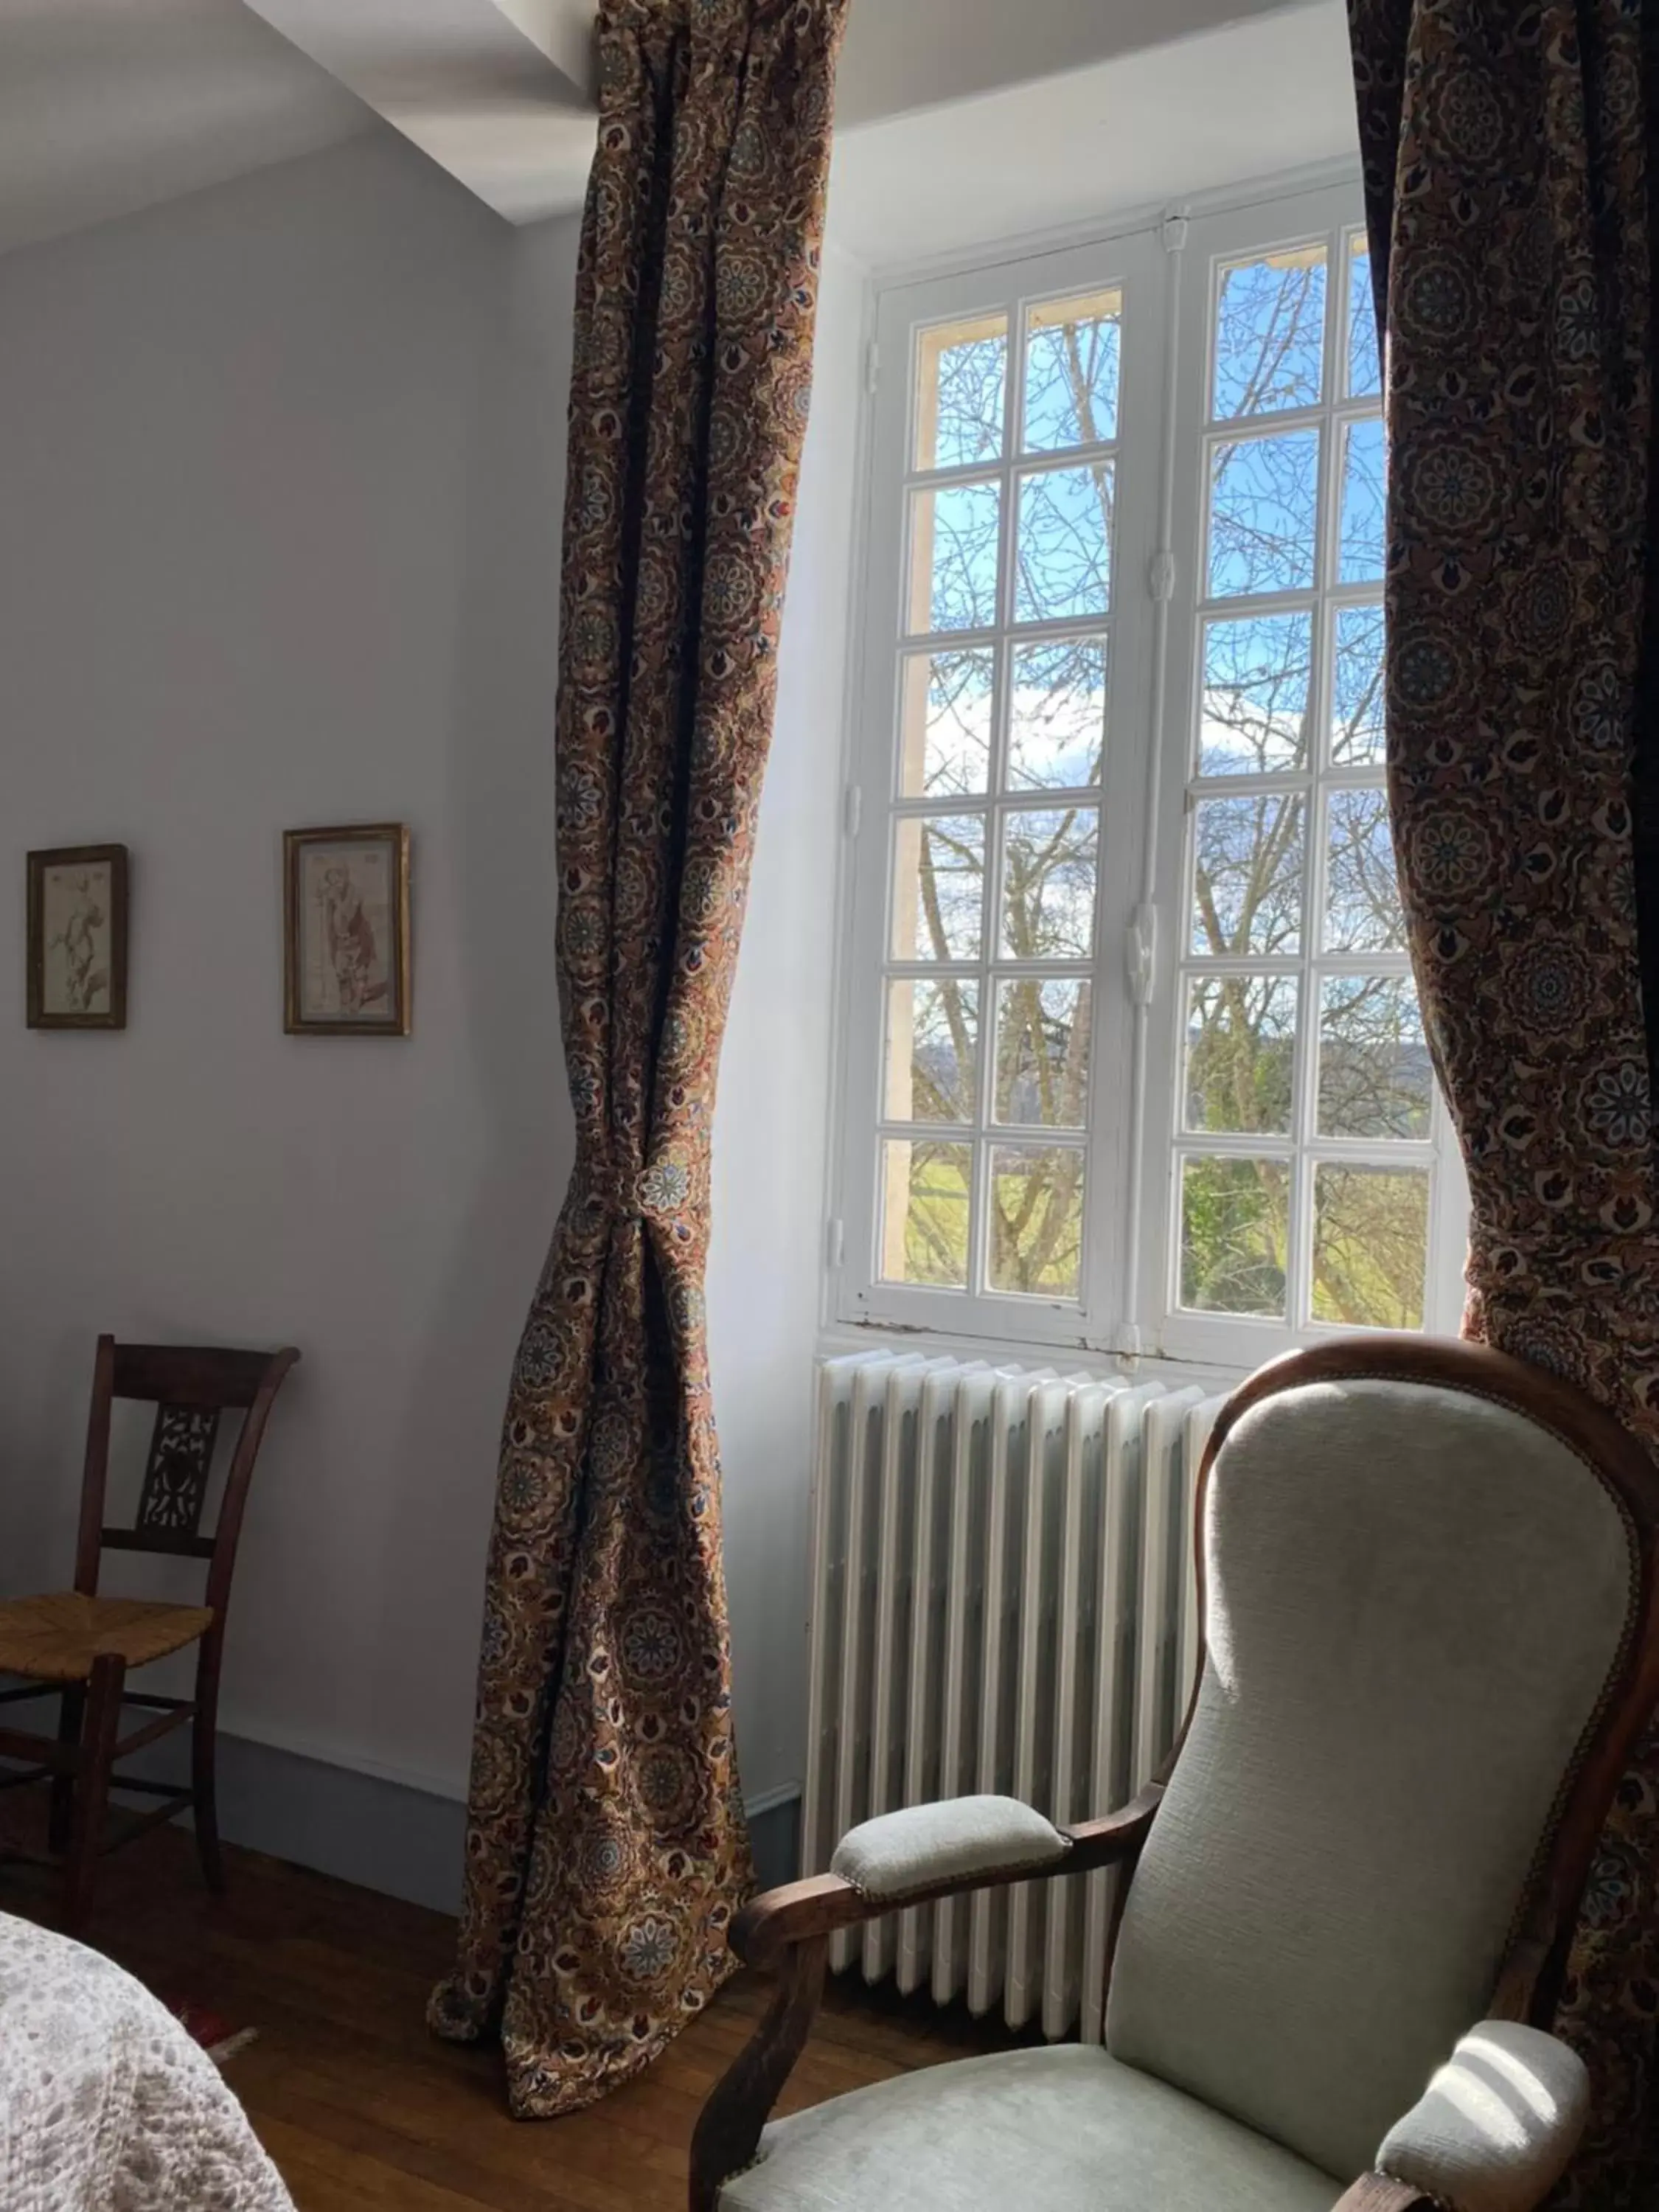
(979, 1218)
(1315, 858)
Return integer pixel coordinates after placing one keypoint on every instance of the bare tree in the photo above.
(1250, 869)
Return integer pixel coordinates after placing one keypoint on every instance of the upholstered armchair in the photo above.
(1430, 1639)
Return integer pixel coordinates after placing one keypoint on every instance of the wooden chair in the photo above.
(1431, 1635)
(80, 1647)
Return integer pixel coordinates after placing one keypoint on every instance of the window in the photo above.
(1132, 1048)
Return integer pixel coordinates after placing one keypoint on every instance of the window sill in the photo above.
(836, 1339)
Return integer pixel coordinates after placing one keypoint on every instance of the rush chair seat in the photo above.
(57, 1639)
(81, 1646)
(1430, 1636)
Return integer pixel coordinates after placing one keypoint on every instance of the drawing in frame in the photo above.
(345, 931)
(77, 938)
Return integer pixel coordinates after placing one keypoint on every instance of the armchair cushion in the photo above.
(899, 1853)
(1497, 2124)
(1062, 2128)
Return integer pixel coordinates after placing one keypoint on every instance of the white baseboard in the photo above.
(395, 1833)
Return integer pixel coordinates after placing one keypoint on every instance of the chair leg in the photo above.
(72, 1706)
(203, 1748)
(98, 1740)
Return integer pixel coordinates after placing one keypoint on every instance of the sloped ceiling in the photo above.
(957, 119)
(1251, 99)
(903, 55)
(107, 106)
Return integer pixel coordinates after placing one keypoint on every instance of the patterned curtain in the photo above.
(1509, 149)
(606, 1850)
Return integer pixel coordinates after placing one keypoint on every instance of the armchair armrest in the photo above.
(900, 1858)
(944, 1860)
(959, 1839)
(1492, 2133)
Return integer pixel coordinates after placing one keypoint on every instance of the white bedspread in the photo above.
(105, 2103)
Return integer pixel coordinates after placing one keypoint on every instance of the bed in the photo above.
(105, 2103)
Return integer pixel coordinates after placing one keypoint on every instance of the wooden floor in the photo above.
(361, 2108)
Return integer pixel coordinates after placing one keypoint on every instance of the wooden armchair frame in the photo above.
(786, 1932)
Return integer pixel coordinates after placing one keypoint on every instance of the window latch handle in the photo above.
(1141, 953)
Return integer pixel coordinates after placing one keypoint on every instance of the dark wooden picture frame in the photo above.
(353, 977)
(105, 981)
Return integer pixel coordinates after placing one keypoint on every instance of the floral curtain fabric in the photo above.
(606, 1850)
(1510, 152)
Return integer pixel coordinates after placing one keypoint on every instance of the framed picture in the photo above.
(77, 938)
(345, 912)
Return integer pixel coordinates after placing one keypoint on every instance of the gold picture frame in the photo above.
(76, 950)
(346, 965)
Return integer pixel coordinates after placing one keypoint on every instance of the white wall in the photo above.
(765, 1276)
(1250, 99)
(280, 478)
(278, 524)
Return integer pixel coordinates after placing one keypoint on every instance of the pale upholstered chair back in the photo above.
(1417, 1600)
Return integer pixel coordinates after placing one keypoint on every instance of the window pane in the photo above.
(945, 722)
(938, 883)
(1043, 1052)
(1247, 892)
(924, 1237)
(1270, 333)
(1064, 553)
(1254, 713)
(1235, 1235)
(1375, 1076)
(1057, 714)
(1037, 1221)
(962, 378)
(1049, 884)
(1073, 349)
(1240, 1054)
(1363, 503)
(1264, 507)
(953, 556)
(1370, 1245)
(1357, 725)
(1364, 369)
(1362, 890)
(932, 1050)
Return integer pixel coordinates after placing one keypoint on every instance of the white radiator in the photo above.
(1002, 1599)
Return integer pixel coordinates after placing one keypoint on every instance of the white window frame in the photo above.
(1166, 270)
(1331, 216)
